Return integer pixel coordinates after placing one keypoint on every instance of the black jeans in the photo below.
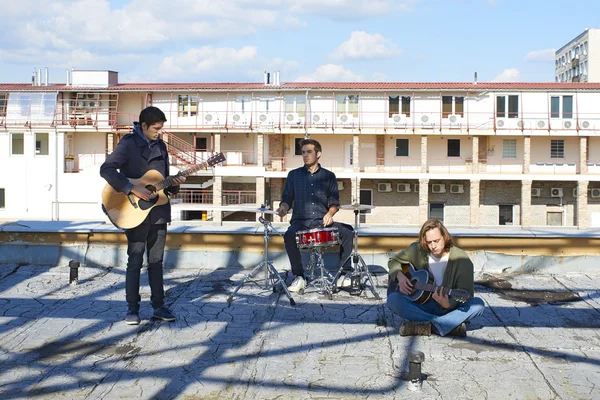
(345, 233)
(139, 239)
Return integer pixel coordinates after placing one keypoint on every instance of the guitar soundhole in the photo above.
(146, 204)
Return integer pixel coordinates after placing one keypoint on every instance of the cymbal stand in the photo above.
(360, 272)
(272, 277)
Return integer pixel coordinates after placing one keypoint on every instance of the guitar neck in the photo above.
(168, 181)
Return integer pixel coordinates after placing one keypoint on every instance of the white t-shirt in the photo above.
(437, 267)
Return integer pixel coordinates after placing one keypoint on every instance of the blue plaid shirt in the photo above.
(310, 194)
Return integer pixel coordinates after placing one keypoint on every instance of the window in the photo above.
(452, 105)
(347, 105)
(453, 147)
(406, 105)
(505, 213)
(366, 197)
(554, 218)
(446, 106)
(557, 148)
(298, 151)
(436, 211)
(513, 106)
(17, 146)
(567, 108)
(555, 107)
(187, 106)
(509, 148)
(2, 200)
(2, 105)
(201, 144)
(401, 147)
(41, 144)
(295, 104)
(394, 105)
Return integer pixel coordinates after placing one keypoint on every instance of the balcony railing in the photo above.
(194, 196)
(238, 197)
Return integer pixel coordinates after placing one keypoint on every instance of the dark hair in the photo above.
(151, 115)
(432, 224)
(317, 145)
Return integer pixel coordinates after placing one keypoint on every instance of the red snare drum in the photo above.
(318, 237)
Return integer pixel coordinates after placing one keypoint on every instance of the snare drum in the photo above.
(318, 237)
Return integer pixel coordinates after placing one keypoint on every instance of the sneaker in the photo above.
(298, 284)
(164, 314)
(413, 328)
(459, 331)
(132, 318)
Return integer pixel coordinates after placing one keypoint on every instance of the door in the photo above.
(348, 155)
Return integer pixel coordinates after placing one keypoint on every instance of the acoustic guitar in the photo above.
(128, 211)
(424, 286)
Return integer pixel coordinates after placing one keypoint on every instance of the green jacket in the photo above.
(459, 272)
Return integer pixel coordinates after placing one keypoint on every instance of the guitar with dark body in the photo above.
(424, 286)
(127, 211)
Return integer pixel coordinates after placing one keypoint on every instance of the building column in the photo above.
(475, 156)
(260, 150)
(260, 194)
(218, 198)
(474, 202)
(583, 150)
(581, 214)
(423, 200)
(355, 187)
(526, 204)
(424, 154)
(527, 157)
(356, 153)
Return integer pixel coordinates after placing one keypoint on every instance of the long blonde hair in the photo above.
(432, 224)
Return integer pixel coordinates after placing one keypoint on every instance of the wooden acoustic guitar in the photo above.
(128, 211)
(424, 286)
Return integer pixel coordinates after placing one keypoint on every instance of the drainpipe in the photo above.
(306, 114)
(55, 208)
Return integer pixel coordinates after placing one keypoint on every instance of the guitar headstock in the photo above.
(216, 159)
(460, 295)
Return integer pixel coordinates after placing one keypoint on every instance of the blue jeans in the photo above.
(431, 311)
(145, 238)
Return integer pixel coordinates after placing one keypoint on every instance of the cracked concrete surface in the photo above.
(61, 341)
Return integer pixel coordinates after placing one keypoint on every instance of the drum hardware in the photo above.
(360, 272)
(272, 277)
(316, 240)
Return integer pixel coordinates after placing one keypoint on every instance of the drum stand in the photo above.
(360, 273)
(272, 277)
(316, 273)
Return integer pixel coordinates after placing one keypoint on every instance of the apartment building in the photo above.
(579, 59)
(471, 153)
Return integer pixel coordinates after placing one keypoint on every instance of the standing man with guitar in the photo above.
(445, 269)
(136, 154)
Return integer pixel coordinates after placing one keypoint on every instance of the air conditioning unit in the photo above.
(595, 193)
(520, 124)
(574, 192)
(426, 119)
(211, 118)
(384, 187)
(455, 119)
(541, 124)
(399, 119)
(265, 119)
(438, 188)
(318, 119)
(91, 95)
(345, 119)
(340, 185)
(585, 124)
(556, 192)
(94, 103)
(568, 124)
(403, 187)
(456, 188)
(81, 104)
(292, 119)
(239, 119)
(416, 188)
(499, 123)
(536, 192)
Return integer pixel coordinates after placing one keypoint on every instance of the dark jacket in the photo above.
(132, 158)
(459, 271)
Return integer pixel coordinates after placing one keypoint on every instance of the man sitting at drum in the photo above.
(312, 191)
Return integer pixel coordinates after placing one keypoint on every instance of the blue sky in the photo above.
(306, 40)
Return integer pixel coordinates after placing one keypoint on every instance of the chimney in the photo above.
(33, 77)
(475, 78)
(265, 76)
(38, 77)
(46, 76)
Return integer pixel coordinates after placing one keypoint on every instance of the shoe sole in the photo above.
(164, 319)
(132, 322)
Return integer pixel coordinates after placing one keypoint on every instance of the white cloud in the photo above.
(330, 73)
(541, 55)
(206, 59)
(362, 45)
(508, 75)
(350, 9)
